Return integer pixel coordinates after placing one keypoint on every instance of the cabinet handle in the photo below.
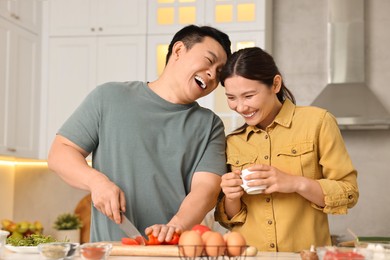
(12, 150)
(92, 29)
(100, 29)
(15, 16)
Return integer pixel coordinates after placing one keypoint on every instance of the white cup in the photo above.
(251, 190)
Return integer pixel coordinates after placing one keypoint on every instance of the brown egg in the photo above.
(205, 235)
(236, 243)
(225, 236)
(190, 244)
(215, 244)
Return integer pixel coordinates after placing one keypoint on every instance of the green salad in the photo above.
(31, 240)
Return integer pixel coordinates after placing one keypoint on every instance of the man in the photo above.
(156, 154)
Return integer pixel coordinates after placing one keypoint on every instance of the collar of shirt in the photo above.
(283, 118)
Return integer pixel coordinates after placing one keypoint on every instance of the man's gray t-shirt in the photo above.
(148, 146)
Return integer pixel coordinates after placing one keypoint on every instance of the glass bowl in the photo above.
(95, 251)
(54, 251)
(334, 252)
(73, 249)
(377, 250)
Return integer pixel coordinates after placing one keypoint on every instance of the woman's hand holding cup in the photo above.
(250, 189)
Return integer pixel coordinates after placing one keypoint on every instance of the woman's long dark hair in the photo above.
(255, 64)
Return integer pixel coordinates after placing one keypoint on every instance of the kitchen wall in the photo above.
(41, 195)
(299, 48)
(30, 192)
(6, 190)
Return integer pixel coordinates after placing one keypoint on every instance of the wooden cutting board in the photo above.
(162, 250)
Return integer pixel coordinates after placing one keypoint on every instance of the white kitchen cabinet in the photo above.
(24, 13)
(78, 64)
(19, 91)
(97, 17)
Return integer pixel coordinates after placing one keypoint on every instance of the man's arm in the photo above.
(68, 160)
(205, 188)
(202, 198)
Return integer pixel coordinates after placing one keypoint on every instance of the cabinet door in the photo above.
(72, 17)
(237, 16)
(120, 17)
(21, 116)
(4, 8)
(121, 58)
(157, 50)
(23, 13)
(168, 17)
(72, 75)
(5, 39)
(97, 17)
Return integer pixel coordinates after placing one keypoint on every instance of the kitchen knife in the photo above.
(130, 230)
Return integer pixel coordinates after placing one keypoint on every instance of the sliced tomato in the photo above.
(174, 240)
(141, 240)
(343, 255)
(130, 241)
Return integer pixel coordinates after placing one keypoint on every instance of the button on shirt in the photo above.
(303, 141)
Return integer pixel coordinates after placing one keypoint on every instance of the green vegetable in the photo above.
(31, 240)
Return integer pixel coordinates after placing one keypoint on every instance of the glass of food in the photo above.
(95, 251)
(54, 251)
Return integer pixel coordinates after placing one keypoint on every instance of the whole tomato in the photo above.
(201, 228)
(174, 240)
(152, 240)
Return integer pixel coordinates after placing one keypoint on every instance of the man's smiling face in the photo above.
(198, 68)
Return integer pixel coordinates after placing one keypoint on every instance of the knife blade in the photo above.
(130, 230)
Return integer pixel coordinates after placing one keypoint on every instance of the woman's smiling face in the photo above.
(256, 102)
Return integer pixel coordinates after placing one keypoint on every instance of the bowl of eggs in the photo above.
(212, 245)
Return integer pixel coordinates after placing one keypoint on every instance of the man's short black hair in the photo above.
(193, 34)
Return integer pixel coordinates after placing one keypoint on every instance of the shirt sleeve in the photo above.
(340, 177)
(221, 217)
(82, 127)
(214, 157)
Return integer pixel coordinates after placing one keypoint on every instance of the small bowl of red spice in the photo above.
(95, 251)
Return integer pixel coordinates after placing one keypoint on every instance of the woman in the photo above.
(297, 152)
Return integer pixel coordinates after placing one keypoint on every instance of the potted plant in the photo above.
(67, 226)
